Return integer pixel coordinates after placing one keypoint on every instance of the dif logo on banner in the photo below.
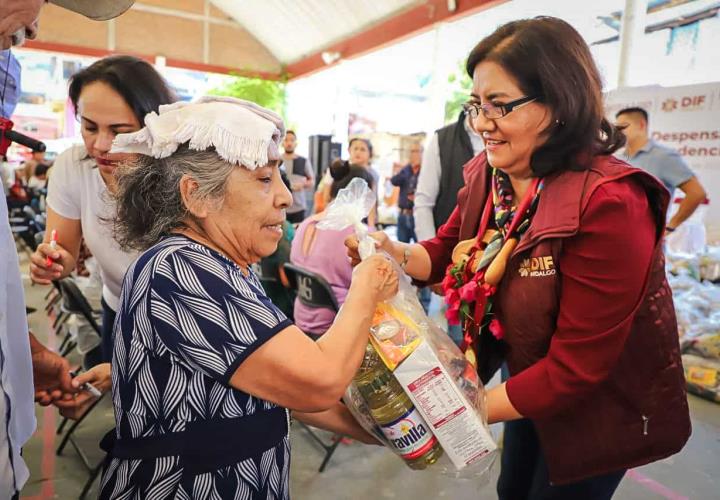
(685, 119)
(687, 103)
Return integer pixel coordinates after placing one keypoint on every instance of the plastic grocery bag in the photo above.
(702, 376)
(434, 374)
(690, 237)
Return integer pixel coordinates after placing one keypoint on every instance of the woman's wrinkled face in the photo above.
(359, 153)
(511, 139)
(103, 114)
(248, 225)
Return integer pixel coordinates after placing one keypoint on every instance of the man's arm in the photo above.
(675, 172)
(51, 373)
(18, 16)
(426, 193)
(694, 196)
(401, 178)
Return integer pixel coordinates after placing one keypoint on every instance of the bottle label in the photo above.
(409, 435)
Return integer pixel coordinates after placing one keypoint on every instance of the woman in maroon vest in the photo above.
(552, 262)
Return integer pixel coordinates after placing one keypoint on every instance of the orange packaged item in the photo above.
(394, 335)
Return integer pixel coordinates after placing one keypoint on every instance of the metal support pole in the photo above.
(441, 68)
(632, 31)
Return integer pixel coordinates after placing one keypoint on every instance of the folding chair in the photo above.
(74, 302)
(25, 227)
(314, 291)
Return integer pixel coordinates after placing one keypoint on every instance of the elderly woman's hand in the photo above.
(100, 376)
(375, 275)
(383, 243)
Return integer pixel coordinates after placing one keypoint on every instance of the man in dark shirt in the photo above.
(300, 172)
(406, 180)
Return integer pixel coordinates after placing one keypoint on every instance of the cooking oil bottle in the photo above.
(395, 413)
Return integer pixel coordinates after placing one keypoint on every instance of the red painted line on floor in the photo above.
(49, 432)
(49, 416)
(654, 486)
(48, 459)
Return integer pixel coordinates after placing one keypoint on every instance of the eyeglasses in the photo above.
(492, 112)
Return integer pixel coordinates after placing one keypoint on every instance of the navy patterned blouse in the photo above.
(188, 318)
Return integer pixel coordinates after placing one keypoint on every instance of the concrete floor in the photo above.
(358, 471)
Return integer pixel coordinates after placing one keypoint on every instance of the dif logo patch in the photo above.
(537, 267)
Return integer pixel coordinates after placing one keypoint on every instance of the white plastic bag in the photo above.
(690, 237)
(432, 371)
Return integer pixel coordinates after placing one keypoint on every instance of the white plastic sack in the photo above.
(432, 370)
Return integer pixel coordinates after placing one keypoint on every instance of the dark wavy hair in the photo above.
(343, 172)
(550, 59)
(136, 80)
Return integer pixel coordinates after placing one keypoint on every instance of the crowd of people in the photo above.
(206, 352)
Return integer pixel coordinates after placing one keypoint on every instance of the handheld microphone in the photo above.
(8, 136)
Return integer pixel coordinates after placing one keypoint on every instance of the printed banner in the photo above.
(687, 119)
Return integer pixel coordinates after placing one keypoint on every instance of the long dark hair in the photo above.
(550, 59)
(343, 172)
(139, 84)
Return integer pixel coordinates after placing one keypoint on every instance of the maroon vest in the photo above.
(640, 413)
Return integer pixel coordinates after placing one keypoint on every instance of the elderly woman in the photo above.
(204, 365)
(556, 249)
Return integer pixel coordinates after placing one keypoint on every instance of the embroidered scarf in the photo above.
(478, 265)
(241, 132)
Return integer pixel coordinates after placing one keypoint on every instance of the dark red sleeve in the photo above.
(440, 248)
(603, 272)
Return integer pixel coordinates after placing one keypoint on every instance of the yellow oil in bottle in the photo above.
(395, 413)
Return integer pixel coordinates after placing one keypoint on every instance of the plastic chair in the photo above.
(314, 291)
(282, 297)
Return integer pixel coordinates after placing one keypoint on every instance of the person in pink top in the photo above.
(323, 252)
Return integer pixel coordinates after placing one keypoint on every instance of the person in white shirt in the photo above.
(111, 96)
(26, 367)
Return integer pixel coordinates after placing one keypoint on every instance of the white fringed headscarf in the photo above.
(241, 132)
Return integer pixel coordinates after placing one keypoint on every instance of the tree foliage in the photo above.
(270, 94)
(460, 85)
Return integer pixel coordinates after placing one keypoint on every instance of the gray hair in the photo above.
(149, 202)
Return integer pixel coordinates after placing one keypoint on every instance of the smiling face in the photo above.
(511, 139)
(247, 226)
(103, 114)
(359, 153)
